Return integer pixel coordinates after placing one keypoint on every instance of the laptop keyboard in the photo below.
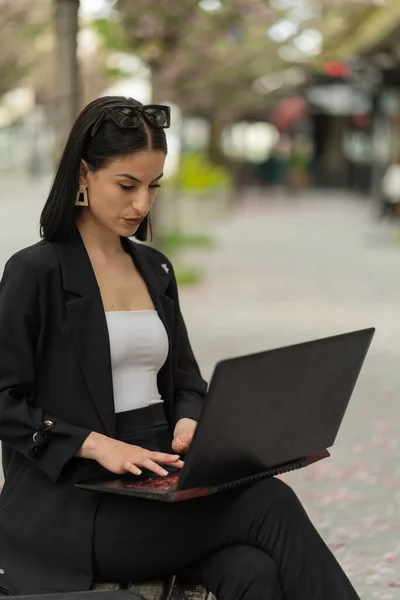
(157, 483)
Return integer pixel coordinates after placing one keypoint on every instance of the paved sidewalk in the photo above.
(284, 272)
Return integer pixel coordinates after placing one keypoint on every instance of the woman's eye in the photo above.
(132, 187)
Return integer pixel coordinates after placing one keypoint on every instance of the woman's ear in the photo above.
(83, 173)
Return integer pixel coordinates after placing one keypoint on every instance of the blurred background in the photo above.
(281, 202)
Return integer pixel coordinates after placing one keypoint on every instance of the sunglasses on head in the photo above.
(128, 116)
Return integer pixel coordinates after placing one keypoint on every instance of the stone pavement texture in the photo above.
(283, 272)
(286, 272)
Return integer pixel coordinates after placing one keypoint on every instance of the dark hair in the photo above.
(57, 221)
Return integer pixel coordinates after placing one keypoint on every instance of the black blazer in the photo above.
(55, 388)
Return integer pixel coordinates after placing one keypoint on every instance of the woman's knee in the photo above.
(249, 573)
(247, 562)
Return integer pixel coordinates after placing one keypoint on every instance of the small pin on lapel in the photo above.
(165, 267)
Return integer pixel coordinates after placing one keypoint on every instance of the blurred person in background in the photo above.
(299, 164)
(273, 171)
(97, 376)
(390, 191)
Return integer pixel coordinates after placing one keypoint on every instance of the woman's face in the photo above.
(122, 193)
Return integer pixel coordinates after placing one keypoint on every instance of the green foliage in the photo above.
(197, 172)
(396, 239)
(188, 275)
(173, 241)
(203, 60)
(114, 73)
(111, 32)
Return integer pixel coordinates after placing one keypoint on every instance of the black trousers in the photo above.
(251, 543)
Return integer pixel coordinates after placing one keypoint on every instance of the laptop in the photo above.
(264, 414)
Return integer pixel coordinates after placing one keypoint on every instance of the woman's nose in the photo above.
(141, 203)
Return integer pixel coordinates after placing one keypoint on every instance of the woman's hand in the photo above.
(119, 457)
(183, 435)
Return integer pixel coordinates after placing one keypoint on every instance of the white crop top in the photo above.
(139, 348)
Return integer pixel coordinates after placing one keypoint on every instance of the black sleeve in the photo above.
(190, 387)
(44, 439)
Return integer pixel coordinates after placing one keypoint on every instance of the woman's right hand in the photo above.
(119, 457)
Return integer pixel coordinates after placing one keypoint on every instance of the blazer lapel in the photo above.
(89, 327)
(156, 279)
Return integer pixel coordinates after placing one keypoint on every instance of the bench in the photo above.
(169, 589)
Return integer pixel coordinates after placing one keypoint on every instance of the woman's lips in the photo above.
(132, 221)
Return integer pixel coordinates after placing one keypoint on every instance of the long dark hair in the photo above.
(57, 221)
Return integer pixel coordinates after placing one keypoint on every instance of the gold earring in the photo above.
(85, 200)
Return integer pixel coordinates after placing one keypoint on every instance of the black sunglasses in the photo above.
(126, 115)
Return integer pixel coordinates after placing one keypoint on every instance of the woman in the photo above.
(97, 376)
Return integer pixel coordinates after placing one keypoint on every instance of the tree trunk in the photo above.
(66, 26)
(214, 150)
(156, 211)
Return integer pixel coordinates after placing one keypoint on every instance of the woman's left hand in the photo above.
(183, 435)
